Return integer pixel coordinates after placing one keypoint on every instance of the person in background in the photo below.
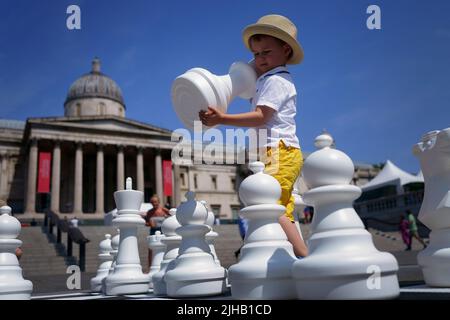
(404, 230)
(413, 229)
(154, 219)
(243, 227)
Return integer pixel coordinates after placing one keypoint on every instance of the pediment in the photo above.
(110, 124)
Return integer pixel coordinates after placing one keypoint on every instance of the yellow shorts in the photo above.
(285, 164)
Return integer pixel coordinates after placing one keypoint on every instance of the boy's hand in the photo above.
(211, 117)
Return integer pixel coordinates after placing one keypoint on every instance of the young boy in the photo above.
(273, 43)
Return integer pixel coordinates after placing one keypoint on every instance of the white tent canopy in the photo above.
(420, 175)
(391, 175)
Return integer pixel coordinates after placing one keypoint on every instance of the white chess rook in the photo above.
(194, 272)
(158, 248)
(343, 262)
(106, 261)
(172, 241)
(264, 268)
(434, 154)
(12, 284)
(198, 88)
(127, 276)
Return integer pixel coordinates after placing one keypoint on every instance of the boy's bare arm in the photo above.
(256, 118)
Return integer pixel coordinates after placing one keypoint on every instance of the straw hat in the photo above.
(279, 27)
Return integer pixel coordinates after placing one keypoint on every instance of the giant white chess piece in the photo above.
(127, 276)
(343, 262)
(12, 284)
(106, 261)
(113, 253)
(198, 88)
(264, 268)
(172, 241)
(434, 154)
(158, 249)
(212, 235)
(194, 272)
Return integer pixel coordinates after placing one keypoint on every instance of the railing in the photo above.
(384, 213)
(74, 234)
(410, 200)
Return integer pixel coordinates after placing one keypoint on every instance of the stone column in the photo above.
(78, 198)
(100, 183)
(56, 177)
(120, 169)
(32, 174)
(140, 169)
(4, 176)
(159, 177)
(176, 186)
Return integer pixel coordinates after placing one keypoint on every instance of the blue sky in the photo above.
(376, 91)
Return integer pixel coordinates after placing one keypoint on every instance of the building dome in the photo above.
(94, 94)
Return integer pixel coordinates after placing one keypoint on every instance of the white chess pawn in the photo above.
(12, 284)
(343, 262)
(113, 253)
(198, 88)
(127, 276)
(434, 154)
(172, 241)
(264, 268)
(158, 249)
(106, 261)
(194, 272)
(212, 235)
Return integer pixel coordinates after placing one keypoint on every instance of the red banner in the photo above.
(167, 177)
(45, 159)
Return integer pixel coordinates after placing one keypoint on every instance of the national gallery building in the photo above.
(73, 164)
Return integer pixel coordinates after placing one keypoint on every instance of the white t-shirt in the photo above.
(275, 89)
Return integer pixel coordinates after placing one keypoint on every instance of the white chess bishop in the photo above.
(127, 276)
(433, 152)
(158, 249)
(194, 272)
(343, 262)
(172, 242)
(198, 88)
(12, 284)
(106, 261)
(264, 268)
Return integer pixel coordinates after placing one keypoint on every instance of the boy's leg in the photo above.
(284, 164)
(293, 236)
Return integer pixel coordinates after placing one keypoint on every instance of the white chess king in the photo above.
(127, 276)
(198, 88)
(343, 262)
(434, 154)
